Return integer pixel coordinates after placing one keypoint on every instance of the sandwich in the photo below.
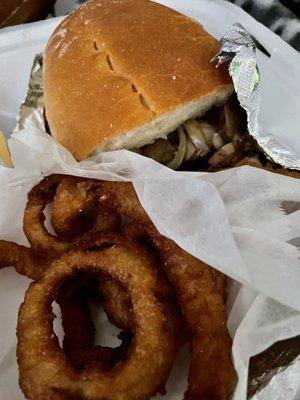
(136, 75)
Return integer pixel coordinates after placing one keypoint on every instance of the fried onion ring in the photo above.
(117, 304)
(211, 372)
(136, 231)
(150, 357)
(70, 201)
(42, 242)
(75, 212)
(78, 342)
(32, 262)
(22, 258)
(200, 289)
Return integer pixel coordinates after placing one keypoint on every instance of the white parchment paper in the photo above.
(232, 220)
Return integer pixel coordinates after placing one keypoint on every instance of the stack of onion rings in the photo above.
(200, 292)
(150, 357)
(86, 217)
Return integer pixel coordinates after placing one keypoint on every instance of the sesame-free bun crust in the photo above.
(121, 73)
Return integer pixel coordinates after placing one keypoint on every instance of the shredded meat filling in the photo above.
(217, 140)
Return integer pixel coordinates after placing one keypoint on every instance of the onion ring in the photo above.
(42, 242)
(136, 231)
(78, 342)
(33, 261)
(69, 202)
(117, 304)
(75, 212)
(150, 358)
(71, 196)
(22, 258)
(40, 239)
(211, 372)
(200, 289)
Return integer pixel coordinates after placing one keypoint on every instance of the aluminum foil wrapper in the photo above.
(32, 109)
(238, 48)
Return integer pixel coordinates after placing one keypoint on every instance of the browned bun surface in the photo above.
(113, 66)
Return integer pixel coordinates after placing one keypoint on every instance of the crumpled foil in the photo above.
(238, 48)
(31, 112)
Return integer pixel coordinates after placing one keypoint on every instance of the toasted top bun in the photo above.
(122, 73)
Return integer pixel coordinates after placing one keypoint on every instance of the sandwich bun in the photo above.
(122, 73)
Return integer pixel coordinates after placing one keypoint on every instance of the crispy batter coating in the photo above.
(136, 231)
(78, 342)
(72, 205)
(45, 372)
(33, 261)
(41, 240)
(117, 304)
(79, 197)
(22, 258)
(74, 209)
(200, 291)
(211, 373)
